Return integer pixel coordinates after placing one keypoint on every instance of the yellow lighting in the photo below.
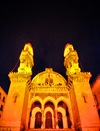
(68, 48)
(28, 48)
(26, 59)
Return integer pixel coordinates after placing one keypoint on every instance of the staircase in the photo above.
(50, 130)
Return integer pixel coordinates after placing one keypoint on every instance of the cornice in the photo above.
(80, 77)
(18, 76)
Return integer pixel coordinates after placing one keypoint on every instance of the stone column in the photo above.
(56, 119)
(43, 120)
(32, 122)
(65, 124)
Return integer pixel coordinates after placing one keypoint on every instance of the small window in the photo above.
(84, 97)
(3, 99)
(15, 99)
(1, 108)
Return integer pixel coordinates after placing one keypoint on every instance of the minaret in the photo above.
(15, 111)
(84, 110)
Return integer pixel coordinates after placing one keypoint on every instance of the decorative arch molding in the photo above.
(68, 104)
(49, 98)
(62, 111)
(16, 94)
(48, 109)
(64, 117)
(64, 100)
(35, 110)
(37, 98)
(32, 120)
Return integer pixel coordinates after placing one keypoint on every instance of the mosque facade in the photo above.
(49, 101)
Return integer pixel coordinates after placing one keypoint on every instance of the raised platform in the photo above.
(2, 128)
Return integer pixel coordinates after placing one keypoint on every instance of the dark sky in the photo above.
(48, 26)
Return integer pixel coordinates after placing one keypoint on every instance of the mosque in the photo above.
(49, 101)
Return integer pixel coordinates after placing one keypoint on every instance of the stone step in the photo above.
(50, 130)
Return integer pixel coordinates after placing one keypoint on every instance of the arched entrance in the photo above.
(35, 115)
(63, 115)
(48, 122)
(38, 120)
(60, 122)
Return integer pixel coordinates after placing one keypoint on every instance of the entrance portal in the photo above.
(48, 122)
(38, 120)
(60, 123)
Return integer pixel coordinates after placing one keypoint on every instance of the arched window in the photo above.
(1, 108)
(15, 97)
(84, 95)
(3, 99)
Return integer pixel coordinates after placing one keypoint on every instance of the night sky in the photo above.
(49, 25)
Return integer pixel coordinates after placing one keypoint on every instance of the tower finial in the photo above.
(68, 48)
(71, 60)
(26, 59)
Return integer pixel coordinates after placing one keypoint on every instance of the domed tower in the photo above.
(71, 60)
(15, 111)
(26, 59)
(84, 110)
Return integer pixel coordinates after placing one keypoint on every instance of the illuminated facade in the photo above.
(49, 101)
(3, 97)
(96, 92)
